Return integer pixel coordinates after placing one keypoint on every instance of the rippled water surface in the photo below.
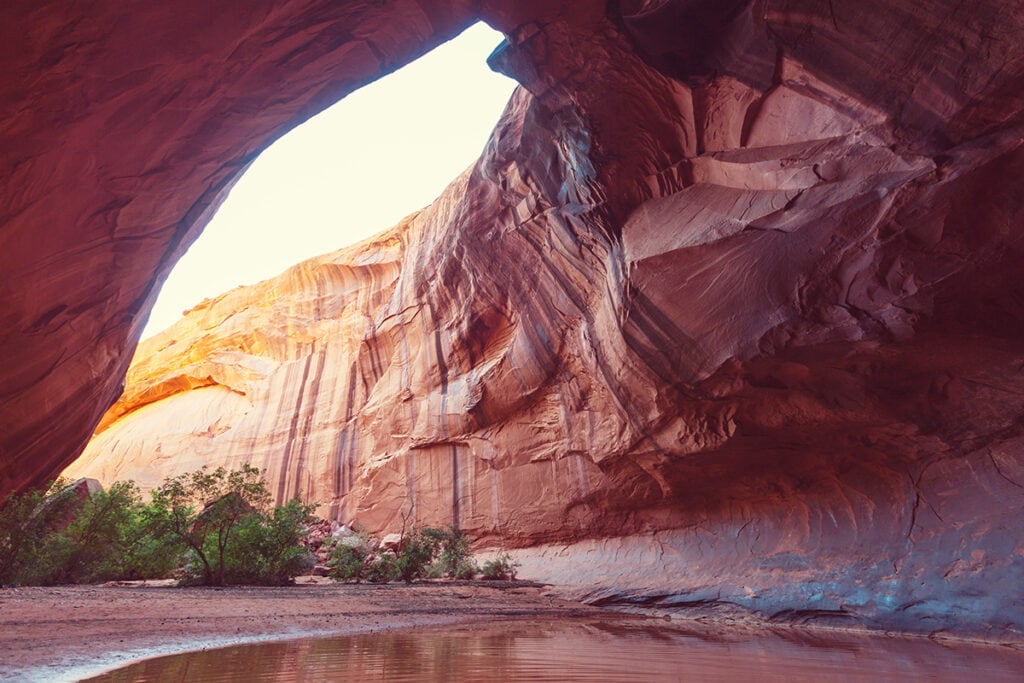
(603, 650)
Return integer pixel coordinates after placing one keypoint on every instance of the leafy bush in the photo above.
(150, 556)
(98, 538)
(451, 550)
(383, 569)
(422, 553)
(268, 548)
(20, 533)
(415, 554)
(466, 569)
(348, 563)
(52, 535)
(501, 568)
(25, 531)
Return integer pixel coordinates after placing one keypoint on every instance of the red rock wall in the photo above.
(728, 314)
(122, 129)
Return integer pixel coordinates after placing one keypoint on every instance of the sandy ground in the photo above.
(65, 633)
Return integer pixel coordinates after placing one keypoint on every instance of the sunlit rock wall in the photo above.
(728, 314)
(122, 127)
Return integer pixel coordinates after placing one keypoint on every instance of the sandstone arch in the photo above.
(743, 323)
(122, 133)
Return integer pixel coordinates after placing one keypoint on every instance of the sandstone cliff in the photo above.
(122, 130)
(727, 314)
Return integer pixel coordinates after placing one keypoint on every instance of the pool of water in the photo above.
(589, 650)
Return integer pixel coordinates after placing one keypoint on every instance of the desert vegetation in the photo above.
(421, 553)
(205, 527)
(210, 527)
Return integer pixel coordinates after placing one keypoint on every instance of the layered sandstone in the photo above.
(728, 314)
(122, 130)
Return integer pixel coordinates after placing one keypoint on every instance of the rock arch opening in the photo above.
(353, 170)
(373, 161)
(123, 134)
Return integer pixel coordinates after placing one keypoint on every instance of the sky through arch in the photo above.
(349, 172)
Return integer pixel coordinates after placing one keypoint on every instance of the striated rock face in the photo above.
(728, 313)
(122, 130)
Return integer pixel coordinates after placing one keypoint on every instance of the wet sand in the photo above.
(64, 633)
(73, 632)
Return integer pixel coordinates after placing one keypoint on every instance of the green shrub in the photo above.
(383, 569)
(149, 555)
(348, 563)
(416, 552)
(51, 535)
(501, 568)
(20, 532)
(450, 547)
(466, 569)
(422, 553)
(267, 549)
(100, 535)
(48, 562)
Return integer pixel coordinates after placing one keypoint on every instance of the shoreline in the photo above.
(66, 633)
(69, 632)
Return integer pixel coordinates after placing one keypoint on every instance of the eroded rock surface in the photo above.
(728, 313)
(122, 130)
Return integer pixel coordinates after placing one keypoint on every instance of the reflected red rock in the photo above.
(737, 326)
(594, 650)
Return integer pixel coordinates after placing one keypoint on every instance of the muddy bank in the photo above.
(65, 632)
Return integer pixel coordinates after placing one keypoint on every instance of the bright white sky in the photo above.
(350, 172)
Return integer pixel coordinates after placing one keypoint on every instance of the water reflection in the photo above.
(599, 650)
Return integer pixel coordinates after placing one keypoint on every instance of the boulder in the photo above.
(391, 542)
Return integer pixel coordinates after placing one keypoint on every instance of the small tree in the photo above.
(268, 547)
(30, 550)
(452, 552)
(100, 534)
(218, 520)
(204, 510)
(348, 562)
(415, 554)
(150, 555)
(19, 533)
